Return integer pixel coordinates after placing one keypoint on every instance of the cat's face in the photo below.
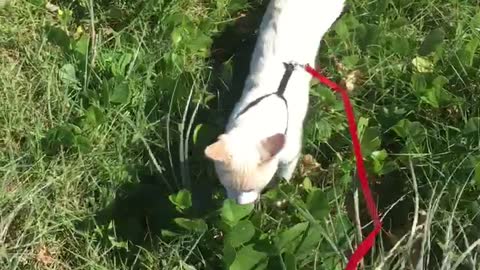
(245, 168)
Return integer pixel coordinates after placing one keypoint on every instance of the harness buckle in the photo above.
(295, 65)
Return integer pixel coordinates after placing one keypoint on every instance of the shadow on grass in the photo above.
(230, 58)
(140, 211)
(396, 207)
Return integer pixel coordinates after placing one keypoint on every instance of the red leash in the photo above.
(368, 242)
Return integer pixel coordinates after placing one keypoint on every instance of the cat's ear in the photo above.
(271, 146)
(217, 151)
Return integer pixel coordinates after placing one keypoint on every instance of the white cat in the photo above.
(264, 132)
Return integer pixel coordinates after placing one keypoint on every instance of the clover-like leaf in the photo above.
(193, 225)
(232, 212)
(240, 233)
(431, 42)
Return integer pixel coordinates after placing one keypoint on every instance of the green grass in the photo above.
(106, 107)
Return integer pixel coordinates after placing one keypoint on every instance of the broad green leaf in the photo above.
(413, 130)
(58, 138)
(176, 19)
(362, 124)
(201, 42)
(401, 46)
(341, 29)
(380, 7)
(317, 204)
(176, 36)
(477, 174)
(229, 254)
(68, 74)
(290, 236)
(401, 128)
(422, 64)
(378, 160)
(437, 96)
(310, 241)
(419, 83)
(177, 60)
(475, 23)
(326, 95)
(115, 13)
(203, 135)
(416, 130)
(265, 245)
(290, 261)
(81, 45)
(307, 184)
(370, 140)
(119, 67)
(273, 195)
(350, 62)
(240, 233)
(169, 234)
(439, 82)
(324, 130)
(182, 200)
(236, 5)
(94, 116)
(83, 143)
(57, 36)
(431, 42)
(232, 212)
(194, 225)
(370, 37)
(379, 155)
(467, 53)
(432, 97)
(195, 133)
(472, 126)
(247, 258)
(365, 35)
(64, 135)
(401, 21)
(120, 93)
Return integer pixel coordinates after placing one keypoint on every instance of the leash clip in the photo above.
(294, 65)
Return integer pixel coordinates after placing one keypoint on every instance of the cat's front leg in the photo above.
(292, 153)
(286, 169)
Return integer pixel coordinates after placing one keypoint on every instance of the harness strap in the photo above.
(289, 68)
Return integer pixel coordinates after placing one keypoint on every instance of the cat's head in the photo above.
(245, 167)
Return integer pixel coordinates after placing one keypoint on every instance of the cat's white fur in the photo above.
(253, 147)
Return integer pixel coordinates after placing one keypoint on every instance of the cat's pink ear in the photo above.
(271, 146)
(218, 150)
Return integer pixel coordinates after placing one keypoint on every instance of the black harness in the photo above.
(289, 68)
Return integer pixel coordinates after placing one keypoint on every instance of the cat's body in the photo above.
(255, 144)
